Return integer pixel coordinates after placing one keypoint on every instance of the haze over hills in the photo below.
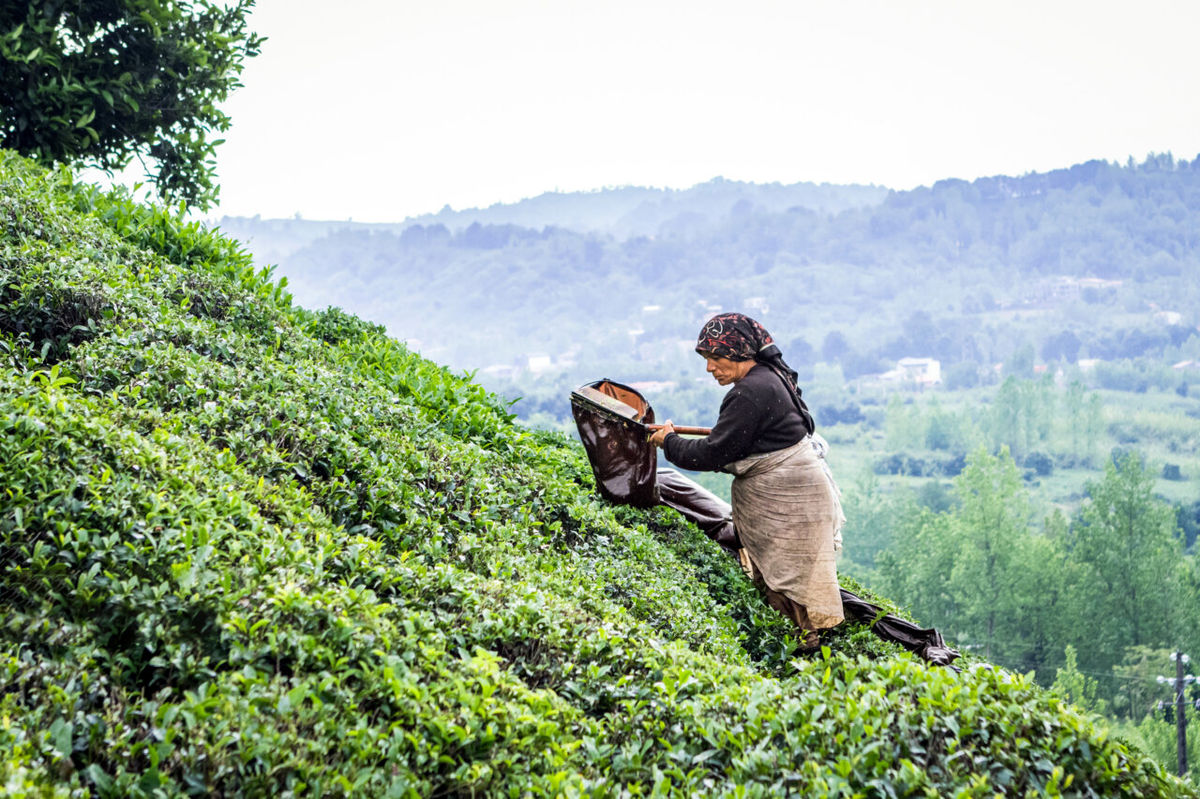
(620, 211)
(637, 211)
(962, 271)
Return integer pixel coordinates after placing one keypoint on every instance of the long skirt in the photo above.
(788, 516)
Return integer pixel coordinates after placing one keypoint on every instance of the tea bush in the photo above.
(248, 549)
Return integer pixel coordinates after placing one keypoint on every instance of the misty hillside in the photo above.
(636, 211)
(248, 549)
(620, 212)
(1099, 256)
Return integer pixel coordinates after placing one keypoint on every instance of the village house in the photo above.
(756, 306)
(924, 372)
(920, 373)
(538, 363)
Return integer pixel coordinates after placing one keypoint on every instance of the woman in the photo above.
(785, 505)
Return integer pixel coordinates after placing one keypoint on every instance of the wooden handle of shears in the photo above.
(681, 430)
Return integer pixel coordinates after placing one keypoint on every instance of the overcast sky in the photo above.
(381, 109)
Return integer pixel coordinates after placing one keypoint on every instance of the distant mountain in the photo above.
(273, 240)
(960, 271)
(632, 211)
(622, 212)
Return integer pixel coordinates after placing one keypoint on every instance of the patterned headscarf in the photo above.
(739, 338)
(734, 336)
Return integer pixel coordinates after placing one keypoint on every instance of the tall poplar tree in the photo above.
(992, 530)
(1131, 565)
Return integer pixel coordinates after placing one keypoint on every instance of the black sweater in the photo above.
(757, 415)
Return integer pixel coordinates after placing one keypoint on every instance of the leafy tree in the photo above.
(1073, 403)
(1136, 690)
(1093, 424)
(104, 82)
(1076, 687)
(1189, 611)
(850, 413)
(871, 518)
(941, 427)
(834, 347)
(920, 332)
(961, 375)
(936, 495)
(1011, 420)
(1020, 363)
(976, 569)
(1157, 737)
(1129, 556)
(862, 363)
(800, 356)
(993, 524)
(915, 568)
(904, 426)
(1042, 599)
(1188, 519)
(1064, 345)
(1044, 403)
(1041, 463)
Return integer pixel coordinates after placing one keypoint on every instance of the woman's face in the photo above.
(724, 370)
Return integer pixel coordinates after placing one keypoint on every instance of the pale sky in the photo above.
(381, 109)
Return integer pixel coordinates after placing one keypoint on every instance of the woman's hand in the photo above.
(659, 437)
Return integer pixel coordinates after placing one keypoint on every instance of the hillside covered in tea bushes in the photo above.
(248, 549)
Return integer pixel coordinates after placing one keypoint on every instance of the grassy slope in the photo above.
(246, 549)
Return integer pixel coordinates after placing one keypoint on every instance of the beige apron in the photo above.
(788, 516)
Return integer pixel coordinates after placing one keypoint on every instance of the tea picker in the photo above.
(614, 422)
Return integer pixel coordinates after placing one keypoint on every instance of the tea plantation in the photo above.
(248, 549)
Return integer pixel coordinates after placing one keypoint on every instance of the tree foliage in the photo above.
(104, 82)
(975, 566)
(1126, 544)
(1112, 580)
(1076, 686)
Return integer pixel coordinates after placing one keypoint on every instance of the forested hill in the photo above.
(620, 212)
(252, 550)
(638, 211)
(1093, 252)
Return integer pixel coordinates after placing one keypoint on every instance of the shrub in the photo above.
(901, 463)
(964, 374)
(954, 465)
(850, 413)
(1039, 462)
